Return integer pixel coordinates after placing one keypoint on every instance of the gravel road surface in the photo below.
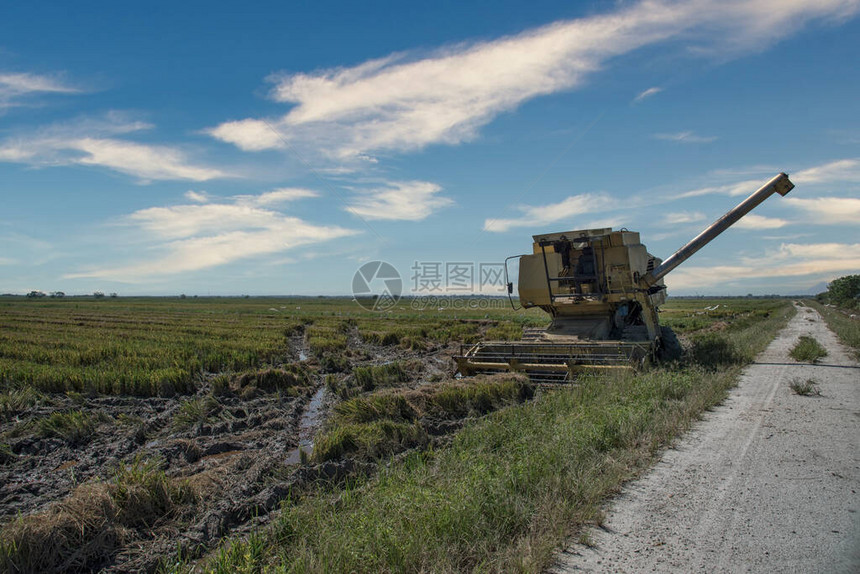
(767, 482)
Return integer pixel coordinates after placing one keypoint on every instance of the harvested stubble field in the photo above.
(146, 434)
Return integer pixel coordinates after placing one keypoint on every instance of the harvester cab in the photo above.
(602, 290)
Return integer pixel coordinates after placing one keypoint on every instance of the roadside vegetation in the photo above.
(840, 308)
(841, 323)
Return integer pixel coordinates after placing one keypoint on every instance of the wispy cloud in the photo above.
(197, 196)
(569, 209)
(647, 93)
(828, 210)
(685, 137)
(399, 200)
(819, 262)
(16, 87)
(277, 196)
(404, 102)
(192, 237)
(758, 222)
(683, 217)
(835, 171)
(93, 142)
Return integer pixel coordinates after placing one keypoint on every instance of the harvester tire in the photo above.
(670, 346)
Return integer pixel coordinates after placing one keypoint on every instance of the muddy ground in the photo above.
(768, 482)
(242, 462)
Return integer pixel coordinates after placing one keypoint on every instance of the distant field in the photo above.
(161, 346)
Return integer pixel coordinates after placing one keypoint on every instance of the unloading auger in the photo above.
(602, 289)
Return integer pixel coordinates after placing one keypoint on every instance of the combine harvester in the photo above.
(602, 289)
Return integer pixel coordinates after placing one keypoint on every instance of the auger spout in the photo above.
(779, 184)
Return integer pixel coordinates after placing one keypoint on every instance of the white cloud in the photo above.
(835, 171)
(193, 237)
(757, 222)
(569, 208)
(402, 102)
(683, 217)
(399, 200)
(248, 135)
(15, 86)
(733, 189)
(90, 142)
(8, 261)
(197, 196)
(828, 210)
(647, 93)
(277, 196)
(821, 261)
(685, 137)
(143, 161)
(188, 220)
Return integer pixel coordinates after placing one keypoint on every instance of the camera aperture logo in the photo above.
(377, 286)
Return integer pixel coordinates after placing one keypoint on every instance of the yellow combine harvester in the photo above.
(602, 289)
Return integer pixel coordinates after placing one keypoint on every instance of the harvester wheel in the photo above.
(670, 346)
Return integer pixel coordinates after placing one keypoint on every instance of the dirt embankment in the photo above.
(768, 482)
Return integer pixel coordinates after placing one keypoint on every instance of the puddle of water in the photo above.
(308, 426)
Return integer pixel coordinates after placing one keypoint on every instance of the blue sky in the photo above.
(273, 148)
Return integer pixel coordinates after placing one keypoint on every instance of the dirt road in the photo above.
(767, 482)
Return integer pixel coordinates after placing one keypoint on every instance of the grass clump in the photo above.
(15, 401)
(714, 351)
(291, 380)
(383, 338)
(369, 378)
(196, 411)
(371, 440)
(807, 388)
(74, 427)
(89, 526)
(807, 350)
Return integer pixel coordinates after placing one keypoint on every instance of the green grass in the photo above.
(511, 487)
(846, 328)
(16, 401)
(74, 427)
(387, 422)
(165, 346)
(200, 410)
(369, 378)
(805, 388)
(807, 350)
